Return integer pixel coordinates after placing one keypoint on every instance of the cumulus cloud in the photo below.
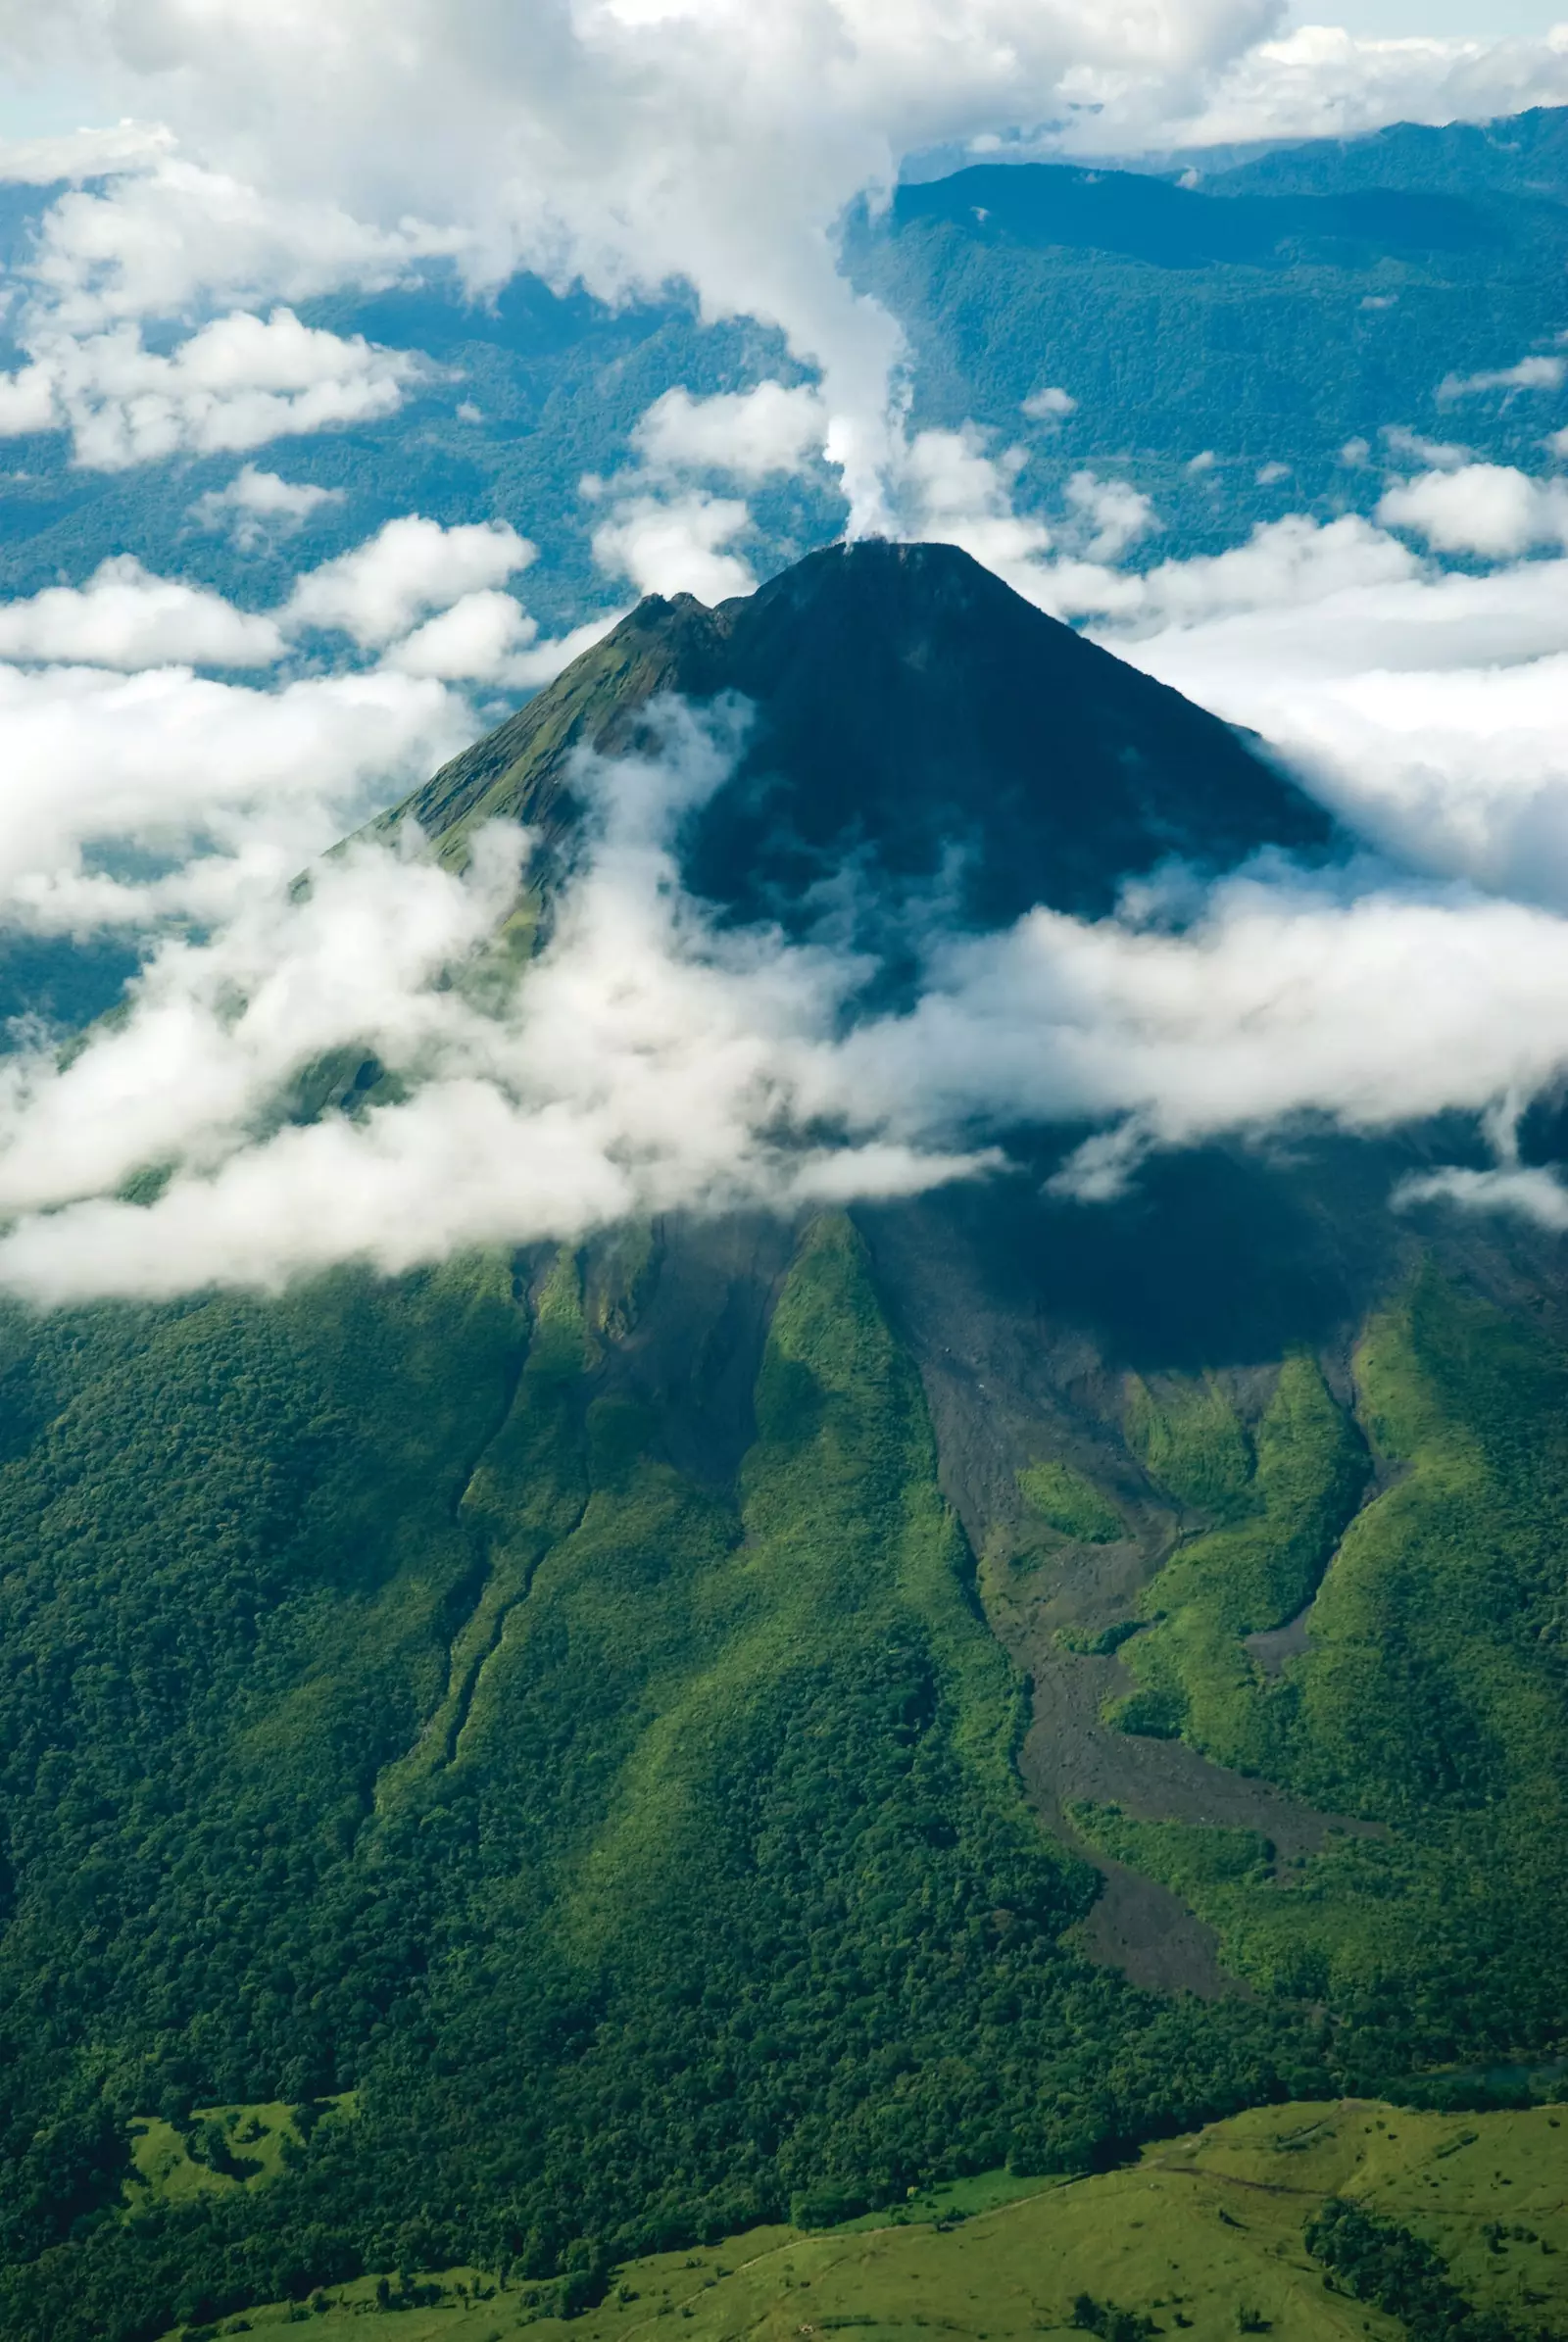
(1531, 374)
(953, 488)
(223, 786)
(1528, 1193)
(487, 638)
(347, 142)
(257, 507)
(1111, 515)
(238, 382)
(1492, 509)
(955, 492)
(676, 545)
(1319, 81)
(644, 1063)
(111, 742)
(1430, 708)
(127, 146)
(648, 1060)
(410, 567)
(165, 235)
(1049, 405)
(1409, 447)
(126, 619)
(754, 435)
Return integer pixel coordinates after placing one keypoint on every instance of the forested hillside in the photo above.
(641, 1851)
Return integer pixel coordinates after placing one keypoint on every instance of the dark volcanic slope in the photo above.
(914, 712)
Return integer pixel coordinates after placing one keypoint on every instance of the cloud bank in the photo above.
(649, 1060)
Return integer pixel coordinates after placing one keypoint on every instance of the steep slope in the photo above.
(621, 1739)
(915, 721)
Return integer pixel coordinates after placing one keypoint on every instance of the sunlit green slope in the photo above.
(1213, 2235)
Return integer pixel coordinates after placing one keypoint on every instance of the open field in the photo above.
(1198, 2235)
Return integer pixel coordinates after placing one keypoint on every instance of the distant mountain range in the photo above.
(1268, 315)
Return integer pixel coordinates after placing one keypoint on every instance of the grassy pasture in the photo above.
(1199, 2234)
(218, 2149)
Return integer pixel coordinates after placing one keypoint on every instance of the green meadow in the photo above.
(1204, 2235)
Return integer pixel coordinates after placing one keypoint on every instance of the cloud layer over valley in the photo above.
(174, 756)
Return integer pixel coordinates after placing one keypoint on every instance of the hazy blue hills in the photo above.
(1520, 154)
(1143, 217)
(1271, 314)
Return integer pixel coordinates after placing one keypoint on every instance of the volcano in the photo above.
(914, 720)
(582, 1751)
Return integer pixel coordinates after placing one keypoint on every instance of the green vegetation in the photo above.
(1429, 1700)
(1192, 1441)
(1379, 2261)
(1101, 1642)
(645, 1854)
(1067, 1501)
(644, 1850)
(220, 2148)
(1283, 1497)
(1202, 2236)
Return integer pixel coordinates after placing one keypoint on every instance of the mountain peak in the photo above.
(917, 720)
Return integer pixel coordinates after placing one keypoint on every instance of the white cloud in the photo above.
(1112, 515)
(754, 435)
(238, 383)
(172, 236)
(128, 146)
(1432, 709)
(1492, 509)
(953, 490)
(1252, 1018)
(487, 638)
(124, 617)
(230, 787)
(544, 136)
(676, 545)
(642, 1063)
(257, 508)
(384, 588)
(1283, 564)
(1049, 405)
(1319, 81)
(1528, 1193)
(1408, 447)
(648, 1062)
(1531, 374)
